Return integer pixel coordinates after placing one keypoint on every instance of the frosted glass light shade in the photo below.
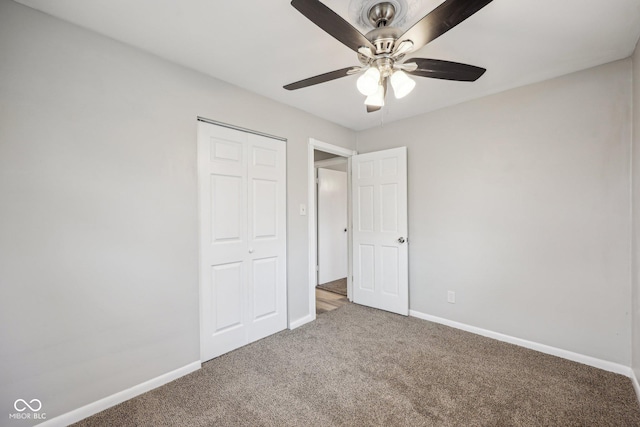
(402, 84)
(369, 81)
(376, 99)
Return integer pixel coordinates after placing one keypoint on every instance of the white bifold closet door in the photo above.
(242, 206)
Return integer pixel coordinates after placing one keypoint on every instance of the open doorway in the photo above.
(331, 231)
(336, 157)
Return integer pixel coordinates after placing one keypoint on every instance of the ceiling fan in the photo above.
(382, 50)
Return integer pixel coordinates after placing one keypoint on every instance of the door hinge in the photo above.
(318, 181)
(317, 268)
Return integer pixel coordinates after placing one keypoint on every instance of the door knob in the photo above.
(250, 250)
(401, 240)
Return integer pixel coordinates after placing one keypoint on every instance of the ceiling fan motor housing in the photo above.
(383, 39)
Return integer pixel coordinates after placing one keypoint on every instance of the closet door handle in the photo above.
(250, 250)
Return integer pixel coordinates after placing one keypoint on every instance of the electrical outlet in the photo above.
(451, 297)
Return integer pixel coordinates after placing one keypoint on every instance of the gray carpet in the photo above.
(337, 286)
(357, 366)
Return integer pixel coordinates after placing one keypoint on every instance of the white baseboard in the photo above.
(543, 348)
(109, 401)
(306, 319)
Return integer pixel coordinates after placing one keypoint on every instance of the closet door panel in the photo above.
(267, 236)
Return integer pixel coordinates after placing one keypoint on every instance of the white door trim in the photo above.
(315, 144)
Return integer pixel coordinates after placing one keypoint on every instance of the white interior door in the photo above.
(380, 248)
(332, 225)
(242, 199)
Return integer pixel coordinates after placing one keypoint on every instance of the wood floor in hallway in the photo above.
(328, 301)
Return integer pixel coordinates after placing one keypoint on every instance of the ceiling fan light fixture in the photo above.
(402, 84)
(368, 82)
(376, 99)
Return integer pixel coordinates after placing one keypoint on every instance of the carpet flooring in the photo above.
(337, 286)
(357, 366)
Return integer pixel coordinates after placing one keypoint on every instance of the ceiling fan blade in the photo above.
(326, 77)
(446, 70)
(440, 20)
(333, 24)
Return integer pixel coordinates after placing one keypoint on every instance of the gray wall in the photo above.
(519, 202)
(635, 259)
(98, 218)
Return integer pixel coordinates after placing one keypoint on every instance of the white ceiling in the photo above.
(261, 45)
